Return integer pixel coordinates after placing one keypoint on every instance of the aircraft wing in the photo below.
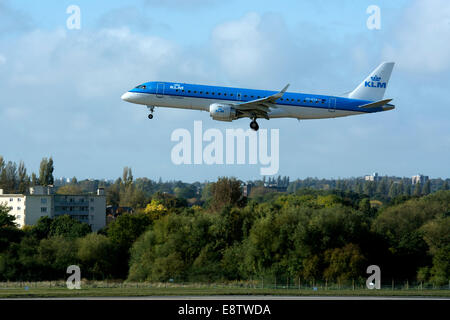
(261, 106)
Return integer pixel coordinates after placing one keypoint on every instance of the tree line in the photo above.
(308, 234)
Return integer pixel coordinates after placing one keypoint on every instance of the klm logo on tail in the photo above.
(375, 83)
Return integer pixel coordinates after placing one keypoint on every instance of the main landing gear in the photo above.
(150, 108)
(254, 125)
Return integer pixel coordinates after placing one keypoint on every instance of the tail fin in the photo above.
(374, 86)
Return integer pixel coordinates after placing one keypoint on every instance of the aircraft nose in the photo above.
(126, 97)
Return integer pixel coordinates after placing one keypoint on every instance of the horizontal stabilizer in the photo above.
(376, 104)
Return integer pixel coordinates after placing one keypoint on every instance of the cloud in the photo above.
(13, 21)
(421, 41)
(2, 60)
(61, 96)
(194, 5)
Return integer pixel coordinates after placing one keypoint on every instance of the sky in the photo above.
(60, 88)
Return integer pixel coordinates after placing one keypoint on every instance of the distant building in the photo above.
(246, 189)
(41, 202)
(275, 187)
(373, 177)
(420, 178)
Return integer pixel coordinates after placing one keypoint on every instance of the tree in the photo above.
(69, 189)
(418, 190)
(344, 263)
(43, 172)
(68, 227)
(34, 180)
(426, 188)
(445, 186)
(46, 172)
(24, 180)
(437, 236)
(6, 220)
(225, 192)
(49, 172)
(97, 256)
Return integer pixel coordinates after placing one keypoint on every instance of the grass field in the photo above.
(39, 291)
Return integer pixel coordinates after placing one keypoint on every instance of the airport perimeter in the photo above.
(120, 289)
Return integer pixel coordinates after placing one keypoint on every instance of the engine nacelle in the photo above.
(222, 112)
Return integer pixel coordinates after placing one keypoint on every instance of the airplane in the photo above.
(228, 104)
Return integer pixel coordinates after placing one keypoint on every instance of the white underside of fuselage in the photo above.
(202, 104)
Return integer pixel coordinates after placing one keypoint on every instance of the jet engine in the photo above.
(222, 112)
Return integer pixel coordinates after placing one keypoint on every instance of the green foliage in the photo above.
(46, 172)
(69, 189)
(97, 256)
(225, 192)
(6, 220)
(67, 227)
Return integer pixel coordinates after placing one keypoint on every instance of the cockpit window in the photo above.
(141, 87)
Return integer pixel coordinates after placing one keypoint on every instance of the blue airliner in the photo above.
(228, 104)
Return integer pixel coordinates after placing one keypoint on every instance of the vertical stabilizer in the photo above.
(374, 86)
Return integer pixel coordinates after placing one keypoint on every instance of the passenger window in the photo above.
(224, 94)
(189, 91)
(176, 90)
(212, 93)
(231, 94)
(206, 92)
(195, 91)
(218, 93)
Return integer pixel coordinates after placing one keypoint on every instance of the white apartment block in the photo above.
(41, 201)
(420, 178)
(372, 177)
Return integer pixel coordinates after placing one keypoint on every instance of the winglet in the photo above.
(280, 94)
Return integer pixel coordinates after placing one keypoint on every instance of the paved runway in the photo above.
(245, 297)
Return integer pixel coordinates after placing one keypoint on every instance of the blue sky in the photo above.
(60, 89)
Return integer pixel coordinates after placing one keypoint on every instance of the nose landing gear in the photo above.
(150, 108)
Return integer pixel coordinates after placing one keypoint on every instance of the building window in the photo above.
(92, 208)
(18, 208)
(92, 199)
(43, 209)
(19, 217)
(18, 199)
(11, 199)
(43, 201)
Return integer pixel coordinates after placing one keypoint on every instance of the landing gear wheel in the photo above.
(254, 125)
(150, 108)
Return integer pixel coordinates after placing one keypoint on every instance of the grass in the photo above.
(36, 290)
